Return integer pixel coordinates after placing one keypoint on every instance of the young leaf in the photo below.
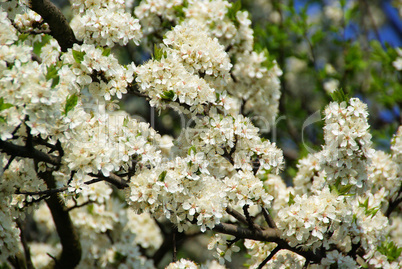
(232, 11)
(162, 176)
(106, 51)
(78, 56)
(168, 95)
(70, 103)
(52, 73)
(3, 105)
(391, 250)
(340, 96)
(291, 199)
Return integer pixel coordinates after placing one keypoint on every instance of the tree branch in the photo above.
(59, 27)
(24, 243)
(114, 179)
(22, 151)
(266, 235)
(71, 253)
(268, 218)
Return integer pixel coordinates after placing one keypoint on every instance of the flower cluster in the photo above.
(182, 190)
(96, 69)
(309, 175)
(20, 175)
(152, 13)
(168, 80)
(310, 220)
(383, 173)
(258, 85)
(347, 144)
(26, 90)
(192, 45)
(254, 78)
(326, 220)
(236, 138)
(108, 142)
(231, 32)
(104, 23)
(114, 244)
(244, 188)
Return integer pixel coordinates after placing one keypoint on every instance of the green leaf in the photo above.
(391, 250)
(192, 148)
(168, 95)
(22, 37)
(291, 199)
(162, 176)
(71, 102)
(106, 51)
(90, 209)
(268, 63)
(37, 47)
(340, 96)
(159, 53)
(52, 73)
(232, 11)
(78, 56)
(343, 190)
(179, 10)
(4, 106)
(125, 121)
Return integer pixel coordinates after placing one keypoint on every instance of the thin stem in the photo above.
(266, 260)
(268, 218)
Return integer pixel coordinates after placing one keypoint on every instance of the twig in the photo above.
(174, 246)
(268, 218)
(27, 252)
(9, 162)
(273, 252)
(119, 182)
(248, 217)
(78, 206)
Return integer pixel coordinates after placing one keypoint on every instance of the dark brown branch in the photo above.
(266, 235)
(9, 163)
(250, 222)
(45, 192)
(27, 252)
(119, 182)
(236, 215)
(22, 151)
(71, 252)
(59, 27)
(32, 32)
(270, 221)
(273, 252)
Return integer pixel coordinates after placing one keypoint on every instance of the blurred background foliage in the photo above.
(326, 45)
